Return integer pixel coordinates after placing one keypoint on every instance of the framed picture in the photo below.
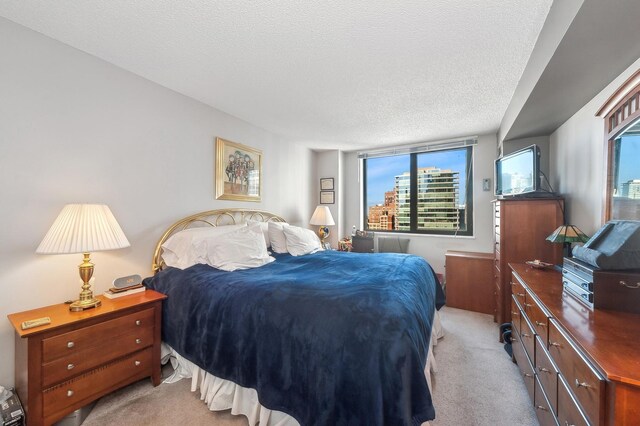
(238, 172)
(326, 184)
(327, 197)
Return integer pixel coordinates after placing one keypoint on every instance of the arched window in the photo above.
(621, 114)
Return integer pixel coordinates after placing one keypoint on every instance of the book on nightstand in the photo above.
(111, 294)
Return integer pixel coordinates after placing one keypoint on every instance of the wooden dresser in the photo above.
(581, 367)
(521, 227)
(470, 281)
(82, 356)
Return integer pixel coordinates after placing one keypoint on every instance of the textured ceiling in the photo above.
(332, 74)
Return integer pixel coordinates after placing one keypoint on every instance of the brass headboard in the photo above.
(210, 218)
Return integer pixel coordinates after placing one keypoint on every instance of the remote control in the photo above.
(35, 322)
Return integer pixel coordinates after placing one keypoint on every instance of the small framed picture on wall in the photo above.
(326, 184)
(327, 197)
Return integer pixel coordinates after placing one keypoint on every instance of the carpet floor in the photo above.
(476, 384)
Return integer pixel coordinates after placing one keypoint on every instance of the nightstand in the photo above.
(82, 356)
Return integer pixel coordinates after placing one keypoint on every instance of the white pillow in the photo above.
(264, 227)
(241, 249)
(189, 246)
(301, 241)
(276, 236)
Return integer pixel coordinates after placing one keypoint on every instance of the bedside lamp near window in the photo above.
(83, 228)
(322, 217)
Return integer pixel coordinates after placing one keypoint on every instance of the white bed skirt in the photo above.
(220, 394)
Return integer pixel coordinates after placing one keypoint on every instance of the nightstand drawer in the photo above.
(582, 379)
(105, 349)
(79, 340)
(97, 382)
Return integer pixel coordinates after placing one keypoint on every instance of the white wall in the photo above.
(74, 128)
(577, 160)
(328, 165)
(433, 248)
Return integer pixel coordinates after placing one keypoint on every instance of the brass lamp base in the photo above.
(86, 300)
(81, 305)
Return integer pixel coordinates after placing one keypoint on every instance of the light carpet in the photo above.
(476, 384)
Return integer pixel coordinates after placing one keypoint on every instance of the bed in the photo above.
(326, 338)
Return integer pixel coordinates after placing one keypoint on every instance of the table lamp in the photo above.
(567, 234)
(83, 228)
(322, 217)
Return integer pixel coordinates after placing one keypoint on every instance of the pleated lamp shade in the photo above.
(83, 228)
(322, 216)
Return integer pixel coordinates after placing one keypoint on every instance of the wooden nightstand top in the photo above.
(61, 316)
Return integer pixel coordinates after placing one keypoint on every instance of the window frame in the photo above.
(413, 203)
(619, 112)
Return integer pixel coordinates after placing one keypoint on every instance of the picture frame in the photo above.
(238, 173)
(327, 197)
(326, 184)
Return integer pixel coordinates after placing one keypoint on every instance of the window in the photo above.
(621, 113)
(625, 201)
(420, 192)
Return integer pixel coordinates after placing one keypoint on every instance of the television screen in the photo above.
(517, 173)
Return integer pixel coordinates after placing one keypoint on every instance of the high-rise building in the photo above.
(631, 189)
(380, 217)
(437, 199)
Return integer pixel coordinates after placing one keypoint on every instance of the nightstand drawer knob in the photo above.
(138, 322)
(70, 366)
(70, 344)
(138, 341)
(69, 393)
(137, 363)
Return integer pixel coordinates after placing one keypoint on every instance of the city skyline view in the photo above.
(381, 172)
(628, 167)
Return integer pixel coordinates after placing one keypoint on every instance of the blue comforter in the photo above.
(329, 338)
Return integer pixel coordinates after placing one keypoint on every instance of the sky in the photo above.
(629, 167)
(382, 171)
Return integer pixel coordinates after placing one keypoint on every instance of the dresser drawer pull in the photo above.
(138, 322)
(526, 335)
(540, 324)
(70, 366)
(636, 285)
(69, 393)
(70, 344)
(580, 384)
(138, 341)
(137, 363)
(544, 370)
(566, 423)
(540, 407)
(515, 314)
(528, 305)
(512, 283)
(556, 344)
(520, 295)
(527, 375)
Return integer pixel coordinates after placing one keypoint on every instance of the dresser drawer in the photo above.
(94, 383)
(528, 338)
(543, 410)
(516, 316)
(582, 379)
(547, 374)
(568, 411)
(79, 340)
(518, 291)
(105, 350)
(524, 365)
(537, 317)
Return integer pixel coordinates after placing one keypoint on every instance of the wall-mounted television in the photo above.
(518, 173)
